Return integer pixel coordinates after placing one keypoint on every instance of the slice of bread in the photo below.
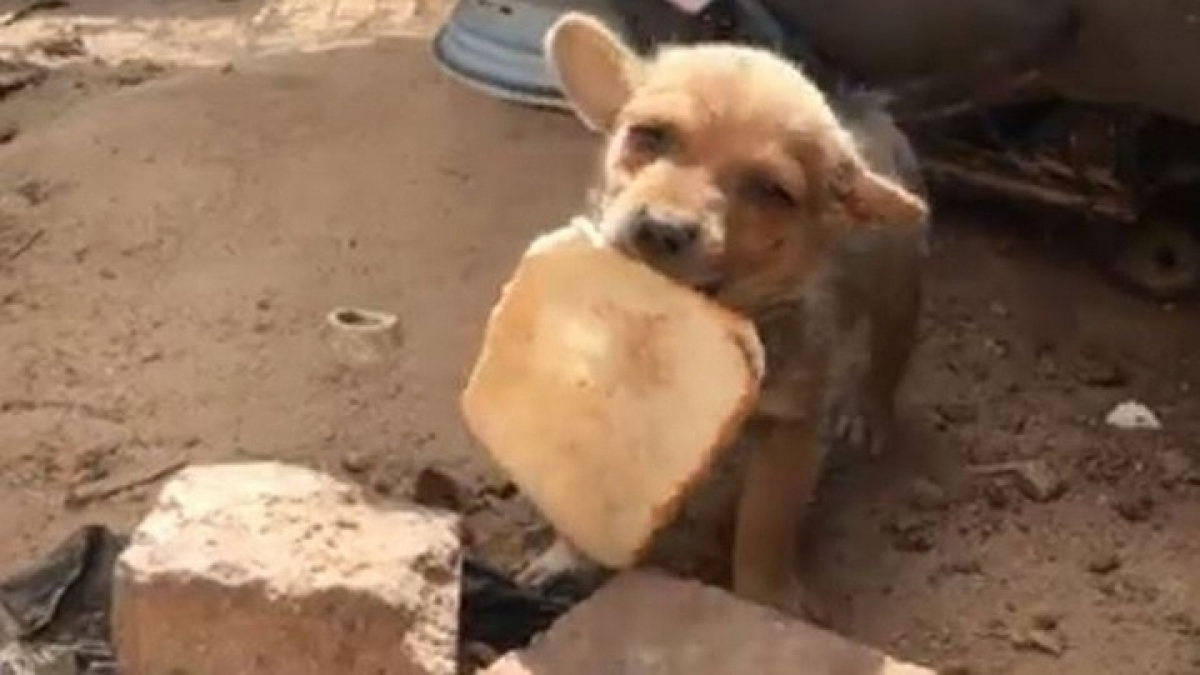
(606, 390)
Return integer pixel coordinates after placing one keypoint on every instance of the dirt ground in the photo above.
(170, 244)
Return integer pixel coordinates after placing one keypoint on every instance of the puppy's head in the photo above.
(725, 167)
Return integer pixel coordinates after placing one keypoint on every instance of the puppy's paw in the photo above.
(861, 426)
(560, 560)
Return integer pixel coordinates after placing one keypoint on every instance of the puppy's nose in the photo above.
(663, 237)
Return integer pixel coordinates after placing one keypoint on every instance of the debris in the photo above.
(910, 534)
(1135, 509)
(1040, 640)
(1131, 415)
(995, 495)
(1104, 563)
(34, 191)
(358, 463)
(362, 337)
(62, 47)
(9, 130)
(956, 414)
(24, 246)
(133, 72)
(55, 612)
(1046, 620)
(323, 581)
(1039, 481)
(1036, 478)
(82, 496)
(644, 622)
(927, 495)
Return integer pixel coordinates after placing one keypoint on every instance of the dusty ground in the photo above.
(168, 250)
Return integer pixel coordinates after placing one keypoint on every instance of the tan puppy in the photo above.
(727, 170)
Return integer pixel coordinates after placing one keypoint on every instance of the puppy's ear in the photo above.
(595, 69)
(865, 198)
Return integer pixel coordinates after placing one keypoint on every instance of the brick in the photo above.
(644, 623)
(271, 569)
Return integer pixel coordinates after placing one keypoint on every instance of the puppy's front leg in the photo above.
(781, 478)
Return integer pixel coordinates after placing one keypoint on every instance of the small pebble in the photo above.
(1104, 563)
(910, 535)
(956, 414)
(1131, 415)
(1039, 481)
(995, 495)
(927, 495)
(8, 131)
(1040, 640)
(1135, 509)
(357, 463)
(1046, 620)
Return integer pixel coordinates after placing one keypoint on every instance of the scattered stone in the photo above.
(9, 130)
(434, 488)
(1039, 481)
(35, 192)
(1131, 415)
(995, 495)
(1036, 478)
(1184, 625)
(133, 72)
(1135, 509)
(1104, 563)
(358, 463)
(1047, 619)
(956, 414)
(643, 623)
(62, 47)
(280, 569)
(385, 483)
(927, 495)
(1039, 640)
(910, 534)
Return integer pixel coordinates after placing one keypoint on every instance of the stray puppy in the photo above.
(727, 170)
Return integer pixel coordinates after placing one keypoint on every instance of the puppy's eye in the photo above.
(768, 192)
(649, 139)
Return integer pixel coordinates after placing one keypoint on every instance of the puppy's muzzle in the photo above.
(663, 238)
